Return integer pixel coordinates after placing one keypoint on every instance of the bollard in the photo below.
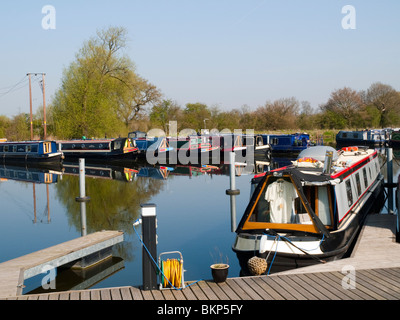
(149, 251)
(82, 197)
(232, 192)
(389, 167)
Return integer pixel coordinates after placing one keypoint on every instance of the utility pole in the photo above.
(44, 107)
(44, 103)
(30, 103)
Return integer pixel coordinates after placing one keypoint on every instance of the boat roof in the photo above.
(25, 142)
(310, 168)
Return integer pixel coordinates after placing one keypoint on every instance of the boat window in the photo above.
(6, 148)
(117, 144)
(21, 148)
(349, 193)
(274, 141)
(358, 183)
(280, 203)
(365, 178)
(279, 206)
(46, 147)
(323, 211)
(1, 148)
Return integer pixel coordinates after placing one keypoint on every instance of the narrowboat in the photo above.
(256, 144)
(232, 142)
(285, 144)
(192, 145)
(371, 138)
(310, 211)
(149, 146)
(38, 152)
(119, 149)
(394, 141)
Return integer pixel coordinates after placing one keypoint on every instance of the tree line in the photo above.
(102, 95)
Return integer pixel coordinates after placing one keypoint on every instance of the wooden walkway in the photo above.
(15, 271)
(374, 275)
(377, 284)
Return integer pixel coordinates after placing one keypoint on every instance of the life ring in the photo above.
(350, 149)
(307, 159)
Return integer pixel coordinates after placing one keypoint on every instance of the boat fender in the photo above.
(257, 266)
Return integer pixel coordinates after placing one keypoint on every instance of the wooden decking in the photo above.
(377, 284)
(371, 273)
(13, 272)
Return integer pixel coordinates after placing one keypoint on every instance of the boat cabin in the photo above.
(30, 151)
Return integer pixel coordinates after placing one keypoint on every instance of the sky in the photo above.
(224, 53)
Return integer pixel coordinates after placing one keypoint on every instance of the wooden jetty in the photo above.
(375, 262)
(84, 250)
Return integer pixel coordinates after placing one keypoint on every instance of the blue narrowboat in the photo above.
(154, 145)
(370, 138)
(286, 143)
(119, 149)
(30, 151)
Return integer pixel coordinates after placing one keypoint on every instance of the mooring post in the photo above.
(149, 251)
(82, 196)
(390, 189)
(232, 192)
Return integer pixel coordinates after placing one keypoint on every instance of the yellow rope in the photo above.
(172, 269)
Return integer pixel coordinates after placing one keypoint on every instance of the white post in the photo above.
(82, 197)
(232, 192)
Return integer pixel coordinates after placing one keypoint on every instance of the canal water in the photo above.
(193, 216)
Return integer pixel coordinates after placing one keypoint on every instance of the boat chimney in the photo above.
(328, 162)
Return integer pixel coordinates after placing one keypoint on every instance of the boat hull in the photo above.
(30, 158)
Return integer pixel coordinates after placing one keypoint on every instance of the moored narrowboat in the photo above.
(119, 149)
(310, 211)
(30, 152)
(150, 146)
(192, 145)
(373, 138)
(280, 144)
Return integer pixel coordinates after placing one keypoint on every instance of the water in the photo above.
(193, 217)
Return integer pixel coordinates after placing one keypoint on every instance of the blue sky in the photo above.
(224, 53)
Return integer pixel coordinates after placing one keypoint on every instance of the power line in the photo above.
(18, 86)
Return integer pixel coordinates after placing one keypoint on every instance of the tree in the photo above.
(386, 101)
(139, 94)
(195, 116)
(100, 90)
(280, 114)
(164, 112)
(19, 128)
(5, 123)
(306, 119)
(345, 103)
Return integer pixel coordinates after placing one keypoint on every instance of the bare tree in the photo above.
(345, 102)
(280, 114)
(386, 100)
